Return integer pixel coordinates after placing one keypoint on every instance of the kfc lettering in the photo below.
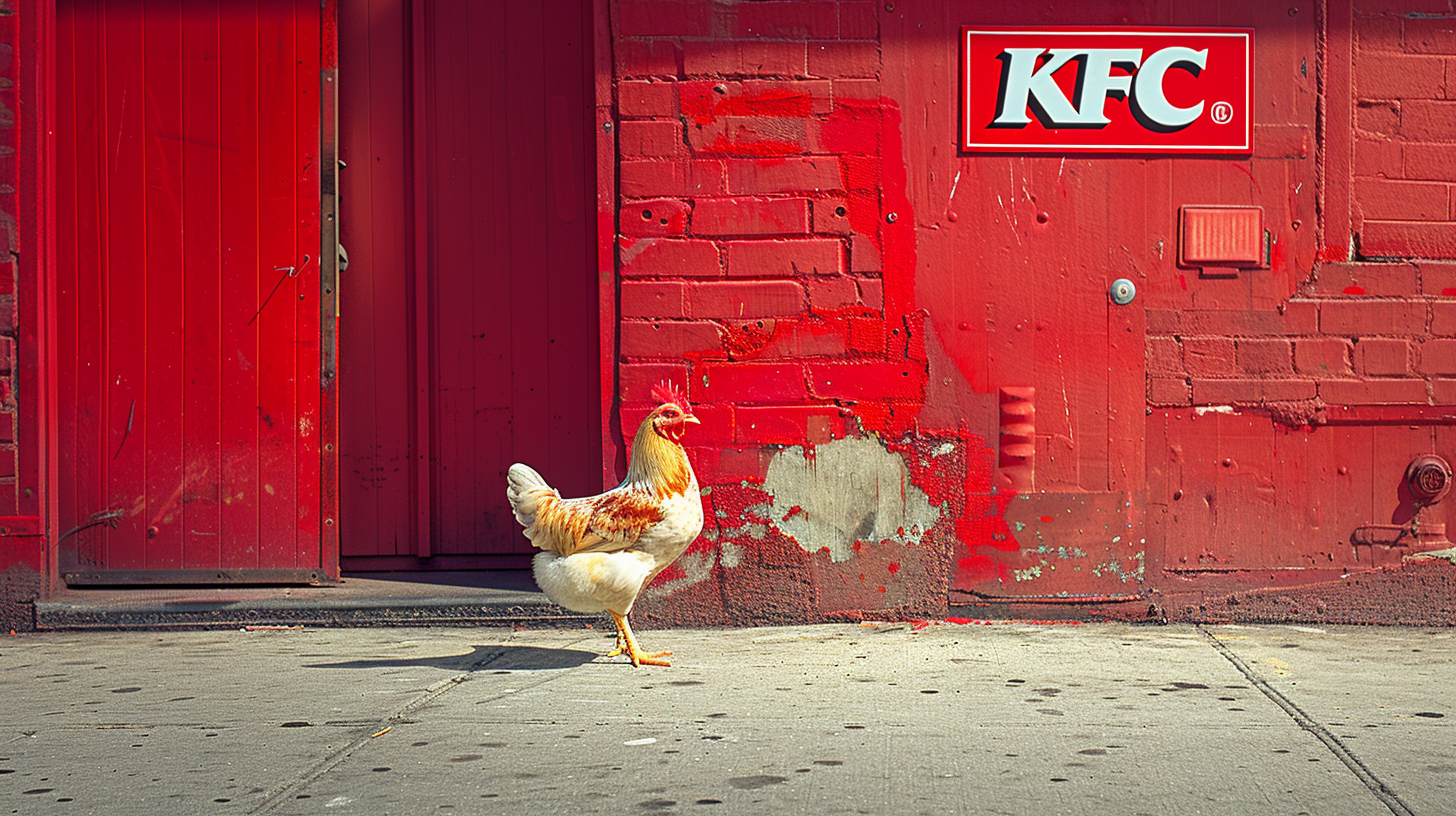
(1127, 91)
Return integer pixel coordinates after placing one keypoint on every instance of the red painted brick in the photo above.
(635, 380)
(1428, 120)
(752, 136)
(1430, 35)
(1436, 162)
(1373, 279)
(783, 175)
(1386, 200)
(728, 58)
(1247, 392)
(1438, 357)
(638, 59)
(859, 21)
(1163, 356)
(867, 89)
(1438, 278)
(1443, 319)
(796, 339)
(643, 99)
(1396, 76)
(654, 218)
(832, 216)
(792, 258)
(871, 292)
(788, 424)
(651, 138)
(655, 177)
(1408, 239)
(867, 335)
(1264, 357)
(827, 294)
(717, 466)
(864, 174)
(1443, 392)
(864, 256)
(653, 299)
(1298, 318)
(664, 18)
(1366, 317)
(740, 300)
(670, 258)
(750, 216)
(1169, 391)
(1381, 357)
(1209, 356)
(844, 59)
(788, 19)
(665, 338)
(1378, 118)
(1163, 321)
(866, 381)
(1373, 392)
(1322, 357)
(1378, 34)
(750, 383)
(1378, 157)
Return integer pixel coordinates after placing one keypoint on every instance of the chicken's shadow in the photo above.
(494, 658)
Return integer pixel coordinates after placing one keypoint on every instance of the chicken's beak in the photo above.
(690, 418)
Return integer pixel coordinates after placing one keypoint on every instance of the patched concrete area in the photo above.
(879, 718)
(849, 490)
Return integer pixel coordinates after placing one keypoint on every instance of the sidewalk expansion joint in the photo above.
(1308, 723)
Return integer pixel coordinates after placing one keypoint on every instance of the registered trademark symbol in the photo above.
(1222, 113)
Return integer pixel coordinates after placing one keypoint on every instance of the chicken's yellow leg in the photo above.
(638, 656)
(621, 638)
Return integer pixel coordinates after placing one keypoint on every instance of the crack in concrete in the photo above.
(1337, 747)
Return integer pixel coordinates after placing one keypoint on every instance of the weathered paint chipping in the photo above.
(848, 491)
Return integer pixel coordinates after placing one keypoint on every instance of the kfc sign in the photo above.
(1075, 90)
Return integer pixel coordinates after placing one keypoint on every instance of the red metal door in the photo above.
(1018, 253)
(468, 313)
(190, 284)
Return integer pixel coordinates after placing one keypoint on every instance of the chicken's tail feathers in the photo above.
(524, 490)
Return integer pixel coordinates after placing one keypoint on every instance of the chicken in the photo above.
(598, 552)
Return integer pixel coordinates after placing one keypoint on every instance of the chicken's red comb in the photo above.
(665, 392)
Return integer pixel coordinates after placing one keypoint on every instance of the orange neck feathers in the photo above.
(659, 464)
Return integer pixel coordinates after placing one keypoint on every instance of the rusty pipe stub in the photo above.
(1429, 478)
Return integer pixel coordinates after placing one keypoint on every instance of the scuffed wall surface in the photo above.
(766, 258)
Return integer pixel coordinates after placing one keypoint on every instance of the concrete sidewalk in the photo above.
(1010, 718)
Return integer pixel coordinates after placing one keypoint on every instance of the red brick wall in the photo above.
(1357, 334)
(752, 232)
(748, 254)
(1404, 169)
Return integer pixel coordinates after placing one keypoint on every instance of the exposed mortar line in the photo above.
(279, 795)
(1308, 723)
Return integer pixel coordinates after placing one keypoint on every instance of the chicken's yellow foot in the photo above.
(638, 656)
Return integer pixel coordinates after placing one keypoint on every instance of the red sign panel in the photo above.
(1129, 90)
